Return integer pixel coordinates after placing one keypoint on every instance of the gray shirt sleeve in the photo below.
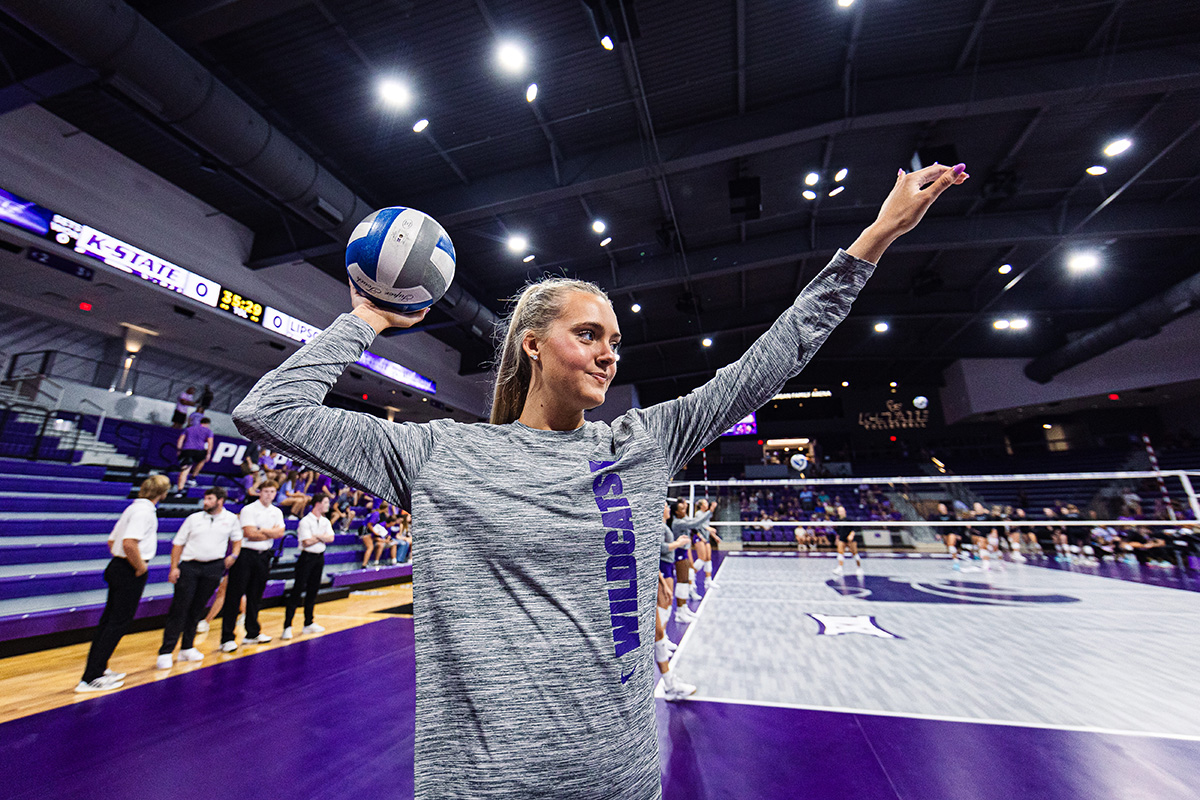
(284, 412)
(683, 426)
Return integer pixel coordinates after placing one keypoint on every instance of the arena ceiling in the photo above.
(662, 137)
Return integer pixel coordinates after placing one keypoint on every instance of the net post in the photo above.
(1186, 480)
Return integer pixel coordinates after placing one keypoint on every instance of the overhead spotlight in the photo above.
(845, 3)
(420, 125)
(881, 327)
(1000, 324)
(1115, 148)
(1018, 324)
(1082, 262)
(707, 342)
(528, 258)
(531, 93)
(811, 179)
(893, 384)
(1047, 425)
(636, 307)
(395, 93)
(841, 175)
(837, 191)
(1005, 269)
(518, 244)
(606, 42)
(604, 242)
(511, 57)
(845, 384)
(1096, 170)
(809, 194)
(598, 226)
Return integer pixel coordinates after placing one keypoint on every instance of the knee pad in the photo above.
(1088, 550)
(681, 590)
(953, 550)
(1075, 549)
(661, 653)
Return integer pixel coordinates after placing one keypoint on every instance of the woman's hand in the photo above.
(910, 198)
(379, 318)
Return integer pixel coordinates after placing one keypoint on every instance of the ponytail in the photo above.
(538, 305)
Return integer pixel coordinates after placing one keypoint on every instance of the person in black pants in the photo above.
(133, 542)
(198, 560)
(314, 533)
(262, 523)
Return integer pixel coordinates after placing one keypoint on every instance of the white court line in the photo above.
(1187, 737)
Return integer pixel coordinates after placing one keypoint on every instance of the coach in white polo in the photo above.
(262, 524)
(200, 554)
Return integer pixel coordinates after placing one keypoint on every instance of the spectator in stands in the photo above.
(314, 533)
(195, 446)
(133, 542)
(367, 534)
(262, 523)
(207, 544)
(293, 497)
(342, 513)
(404, 537)
(186, 400)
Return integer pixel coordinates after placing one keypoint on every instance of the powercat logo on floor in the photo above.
(883, 589)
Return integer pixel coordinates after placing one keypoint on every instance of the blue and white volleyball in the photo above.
(799, 462)
(401, 259)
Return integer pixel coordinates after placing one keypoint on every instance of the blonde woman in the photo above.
(535, 658)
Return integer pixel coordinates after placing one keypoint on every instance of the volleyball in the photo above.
(400, 259)
(799, 462)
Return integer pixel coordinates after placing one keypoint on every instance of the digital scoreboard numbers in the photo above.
(240, 306)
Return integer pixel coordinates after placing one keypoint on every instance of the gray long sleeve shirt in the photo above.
(535, 664)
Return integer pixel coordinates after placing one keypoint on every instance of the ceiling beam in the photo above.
(879, 104)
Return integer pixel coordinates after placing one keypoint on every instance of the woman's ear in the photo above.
(530, 345)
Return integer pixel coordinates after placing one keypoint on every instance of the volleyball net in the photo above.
(918, 511)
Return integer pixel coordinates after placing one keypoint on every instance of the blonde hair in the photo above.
(538, 305)
(155, 486)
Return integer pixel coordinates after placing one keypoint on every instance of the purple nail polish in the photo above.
(959, 169)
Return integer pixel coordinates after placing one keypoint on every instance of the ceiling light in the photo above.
(881, 327)
(845, 384)
(510, 57)
(841, 175)
(1000, 324)
(598, 226)
(845, 3)
(604, 242)
(1115, 148)
(809, 194)
(636, 307)
(528, 258)
(1096, 170)
(1082, 262)
(606, 42)
(421, 125)
(1018, 324)
(811, 179)
(1047, 425)
(837, 191)
(707, 342)
(518, 243)
(1005, 269)
(531, 93)
(395, 93)
(893, 384)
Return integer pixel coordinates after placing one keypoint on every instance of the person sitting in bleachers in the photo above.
(341, 513)
(291, 497)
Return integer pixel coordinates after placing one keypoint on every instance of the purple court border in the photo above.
(332, 718)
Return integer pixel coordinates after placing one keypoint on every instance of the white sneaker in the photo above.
(202, 626)
(671, 646)
(858, 571)
(837, 571)
(680, 691)
(684, 614)
(191, 654)
(287, 633)
(116, 676)
(262, 638)
(229, 647)
(694, 595)
(314, 628)
(163, 662)
(101, 684)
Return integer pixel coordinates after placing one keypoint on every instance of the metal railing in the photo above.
(49, 440)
